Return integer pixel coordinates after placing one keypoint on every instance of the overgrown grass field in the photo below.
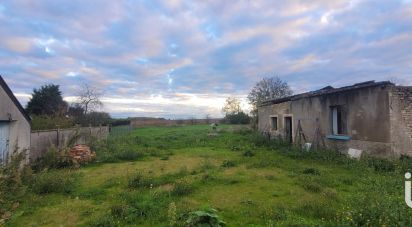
(157, 176)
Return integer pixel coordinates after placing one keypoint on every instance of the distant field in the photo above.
(249, 181)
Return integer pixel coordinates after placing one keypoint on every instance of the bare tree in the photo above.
(232, 106)
(89, 98)
(395, 80)
(192, 120)
(207, 118)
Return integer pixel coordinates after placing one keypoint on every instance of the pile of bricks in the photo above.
(82, 153)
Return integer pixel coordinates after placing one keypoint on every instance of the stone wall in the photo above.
(277, 110)
(401, 120)
(368, 118)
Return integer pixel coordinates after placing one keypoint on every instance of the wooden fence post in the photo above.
(58, 137)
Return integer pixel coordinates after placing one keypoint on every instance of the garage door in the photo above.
(4, 141)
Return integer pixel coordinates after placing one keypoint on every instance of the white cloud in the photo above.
(193, 55)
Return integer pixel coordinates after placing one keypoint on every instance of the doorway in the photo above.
(4, 141)
(288, 129)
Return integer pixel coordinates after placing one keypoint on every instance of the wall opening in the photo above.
(338, 120)
(274, 123)
(288, 129)
(4, 141)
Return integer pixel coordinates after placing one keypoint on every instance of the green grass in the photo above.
(156, 175)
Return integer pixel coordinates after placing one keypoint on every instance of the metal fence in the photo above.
(118, 131)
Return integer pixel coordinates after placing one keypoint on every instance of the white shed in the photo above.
(15, 125)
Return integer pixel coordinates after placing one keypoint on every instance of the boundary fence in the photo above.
(42, 140)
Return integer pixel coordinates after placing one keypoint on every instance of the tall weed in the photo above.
(12, 189)
(53, 182)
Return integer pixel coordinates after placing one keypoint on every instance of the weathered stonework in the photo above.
(378, 117)
(401, 120)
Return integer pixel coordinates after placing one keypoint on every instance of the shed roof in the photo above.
(13, 98)
(327, 90)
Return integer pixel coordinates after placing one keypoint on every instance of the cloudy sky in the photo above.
(180, 58)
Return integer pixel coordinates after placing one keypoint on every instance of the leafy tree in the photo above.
(234, 113)
(232, 106)
(267, 88)
(48, 101)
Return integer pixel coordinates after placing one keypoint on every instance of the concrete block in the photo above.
(354, 153)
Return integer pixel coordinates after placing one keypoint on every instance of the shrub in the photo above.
(171, 177)
(237, 118)
(138, 180)
(248, 153)
(171, 214)
(119, 122)
(228, 163)
(371, 210)
(153, 152)
(276, 214)
(53, 182)
(115, 149)
(164, 158)
(105, 221)
(11, 187)
(92, 193)
(264, 163)
(270, 177)
(128, 155)
(59, 157)
(330, 194)
(312, 187)
(380, 164)
(208, 177)
(54, 159)
(347, 180)
(206, 165)
(230, 181)
(405, 163)
(10, 174)
(207, 217)
(234, 148)
(260, 140)
(142, 205)
(317, 209)
(94, 118)
(119, 210)
(311, 171)
(182, 188)
(47, 122)
(243, 131)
